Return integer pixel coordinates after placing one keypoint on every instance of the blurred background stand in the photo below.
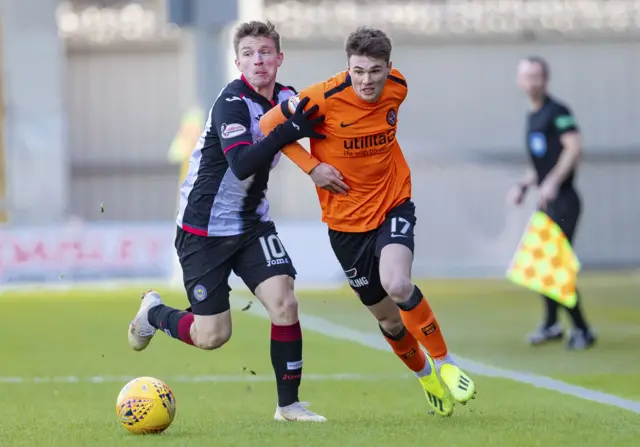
(94, 93)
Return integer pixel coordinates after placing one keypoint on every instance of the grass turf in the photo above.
(81, 333)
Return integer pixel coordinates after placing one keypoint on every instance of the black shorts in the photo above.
(359, 253)
(207, 262)
(565, 211)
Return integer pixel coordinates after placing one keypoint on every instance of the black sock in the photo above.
(286, 358)
(414, 300)
(551, 315)
(577, 317)
(173, 322)
(399, 336)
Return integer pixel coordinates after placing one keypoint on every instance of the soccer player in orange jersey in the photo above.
(364, 186)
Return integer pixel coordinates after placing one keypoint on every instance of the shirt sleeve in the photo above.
(399, 83)
(278, 115)
(231, 121)
(564, 121)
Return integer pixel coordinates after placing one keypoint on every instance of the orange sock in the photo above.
(407, 349)
(421, 322)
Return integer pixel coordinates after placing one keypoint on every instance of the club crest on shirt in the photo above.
(232, 130)
(537, 144)
(392, 117)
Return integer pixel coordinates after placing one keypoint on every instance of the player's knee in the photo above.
(279, 299)
(283, 310)
(398, 287)
(210, 340)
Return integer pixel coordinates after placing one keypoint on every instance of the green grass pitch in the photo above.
(80, 335)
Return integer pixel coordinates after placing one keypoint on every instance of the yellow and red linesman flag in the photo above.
(545, 261)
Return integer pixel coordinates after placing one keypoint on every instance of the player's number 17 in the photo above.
(402, 224)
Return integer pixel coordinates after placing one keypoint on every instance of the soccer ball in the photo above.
(146, 405)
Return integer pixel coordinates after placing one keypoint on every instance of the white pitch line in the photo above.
(375, 341)
(223, 378)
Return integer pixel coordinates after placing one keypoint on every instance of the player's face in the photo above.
(531, 79)
(258, 60)
(368, 76)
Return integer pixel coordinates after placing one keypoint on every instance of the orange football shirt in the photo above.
(361, 143)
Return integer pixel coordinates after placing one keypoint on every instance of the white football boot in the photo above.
(140, 330)
(297, 411)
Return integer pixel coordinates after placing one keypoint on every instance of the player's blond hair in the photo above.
(256, 28)
(370, 42)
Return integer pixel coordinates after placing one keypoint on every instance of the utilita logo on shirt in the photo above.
(232, 130)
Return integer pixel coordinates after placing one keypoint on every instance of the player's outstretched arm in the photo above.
(233, 121)
(323, 175)
(298, 154)
(328, 177)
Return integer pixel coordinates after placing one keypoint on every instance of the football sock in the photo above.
(175, 323)
(422, 324)
(443, 361)
(408, 350)
(551, 315)
(577, 317)
(286, 358)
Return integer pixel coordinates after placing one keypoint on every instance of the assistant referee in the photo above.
(554, 147)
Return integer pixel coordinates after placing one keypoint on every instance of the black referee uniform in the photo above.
(545, 128)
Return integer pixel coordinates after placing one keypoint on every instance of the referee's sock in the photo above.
(551, 315)
(577, 317)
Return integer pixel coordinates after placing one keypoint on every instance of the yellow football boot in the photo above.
(438, 396)
(460, 385)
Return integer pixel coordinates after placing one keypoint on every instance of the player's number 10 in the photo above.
(272, 247)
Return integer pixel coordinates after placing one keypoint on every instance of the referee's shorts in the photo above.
(565, 211)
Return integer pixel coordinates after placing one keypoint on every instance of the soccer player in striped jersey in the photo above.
(224, 223)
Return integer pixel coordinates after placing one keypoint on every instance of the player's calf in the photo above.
(388, 316)
(277, 296)
(395, 276)
(421, 321)
(205, 332)
(404, 345)
(211, 331)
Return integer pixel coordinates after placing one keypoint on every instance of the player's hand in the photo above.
(516, 195)
(301, 125)
(548, 193)
(327, 177)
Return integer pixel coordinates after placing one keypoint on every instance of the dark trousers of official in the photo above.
(565, 211)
